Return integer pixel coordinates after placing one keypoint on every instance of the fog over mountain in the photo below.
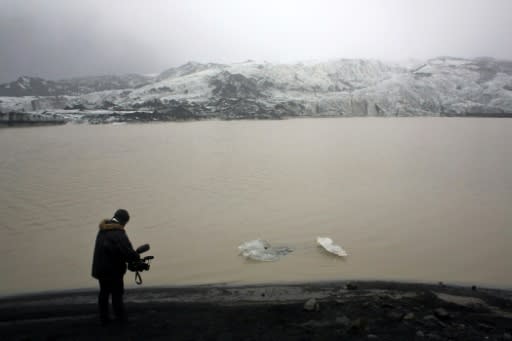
(62, 39)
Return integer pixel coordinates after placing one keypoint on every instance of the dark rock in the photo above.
(433, 321)
(351, 286)
(372, 337)
(358, 326)
(34, 86)
(387, 305)
(187, 69)
(507, 336)
(419, 333)
(228, 85)
(242, 108)
(343, 321)
(442, 324)
(473, 288)
(486, 327)
(395, 316)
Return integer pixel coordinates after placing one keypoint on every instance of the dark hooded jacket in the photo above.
(112, 251)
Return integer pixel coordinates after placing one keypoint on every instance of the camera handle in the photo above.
(138, 277)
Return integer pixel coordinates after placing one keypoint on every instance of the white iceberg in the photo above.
(261, 250)
(328, 245)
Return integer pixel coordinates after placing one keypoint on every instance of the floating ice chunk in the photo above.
(328, 245)
(261, 250)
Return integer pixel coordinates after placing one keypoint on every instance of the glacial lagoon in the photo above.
(409, 199)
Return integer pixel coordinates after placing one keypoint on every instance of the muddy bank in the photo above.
(320, 311)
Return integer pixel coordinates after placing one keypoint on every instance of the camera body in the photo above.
(140, 265)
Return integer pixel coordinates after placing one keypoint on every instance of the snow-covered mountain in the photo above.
(33, 86)
(345, 87)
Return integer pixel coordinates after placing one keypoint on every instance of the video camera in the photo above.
(141, 264)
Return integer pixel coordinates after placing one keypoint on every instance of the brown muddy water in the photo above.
(410, 199)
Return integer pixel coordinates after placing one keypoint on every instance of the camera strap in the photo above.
(138, 278)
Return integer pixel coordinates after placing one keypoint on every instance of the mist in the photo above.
(63, 39)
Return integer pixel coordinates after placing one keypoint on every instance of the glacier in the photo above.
(442, 86)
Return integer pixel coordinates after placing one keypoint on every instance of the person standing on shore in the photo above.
(112, 251)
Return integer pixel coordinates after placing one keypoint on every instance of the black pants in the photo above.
(114, 287)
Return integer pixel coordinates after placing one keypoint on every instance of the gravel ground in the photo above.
(319, 311)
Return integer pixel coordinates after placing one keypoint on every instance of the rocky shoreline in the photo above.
(178, 114)
(318, 311)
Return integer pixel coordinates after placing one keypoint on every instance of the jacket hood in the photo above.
(107, 224)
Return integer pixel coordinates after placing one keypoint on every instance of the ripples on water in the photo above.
(409, 199)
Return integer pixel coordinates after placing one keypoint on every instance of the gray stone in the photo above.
(485, 326)
(311, 305)
(315, 324)
(434, 336)
(409, 316)
(442, 314)
(431, 321)
(419, 333)
(372, 337)
(507, 336)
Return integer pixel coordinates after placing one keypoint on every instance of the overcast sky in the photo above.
(63, 38)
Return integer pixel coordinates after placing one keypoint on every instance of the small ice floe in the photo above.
(328, 245)
(261, 250)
